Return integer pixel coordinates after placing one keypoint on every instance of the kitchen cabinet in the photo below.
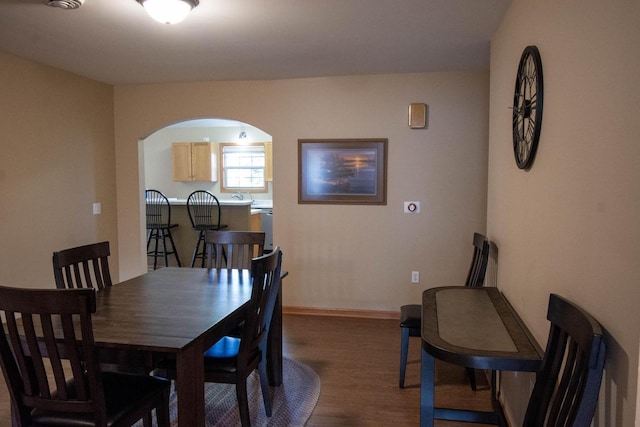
(268, 166)
(194, 161)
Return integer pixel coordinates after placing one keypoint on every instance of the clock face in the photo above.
(527, 107)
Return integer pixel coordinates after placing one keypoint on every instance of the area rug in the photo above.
(292, 402)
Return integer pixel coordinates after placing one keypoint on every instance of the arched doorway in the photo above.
(218, 133)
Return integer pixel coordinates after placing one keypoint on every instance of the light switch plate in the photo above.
(97, 208)
(411, 207)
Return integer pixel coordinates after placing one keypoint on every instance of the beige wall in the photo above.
(349, 257)
(571, 224)
(57, 159)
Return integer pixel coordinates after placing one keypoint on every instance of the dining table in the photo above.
(476, 328)
(180, 312)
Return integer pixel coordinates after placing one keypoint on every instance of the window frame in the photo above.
(223, 179)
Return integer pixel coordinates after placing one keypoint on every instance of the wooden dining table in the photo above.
(181, 312)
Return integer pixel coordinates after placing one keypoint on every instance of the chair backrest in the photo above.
(568, 383)
(59, 320)
(158, 209)
(265, 275)
(491, 276)
(478, 268)
(204, 209)
(82, 267)
(233, 249)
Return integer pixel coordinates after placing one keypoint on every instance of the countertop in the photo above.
(255, 204)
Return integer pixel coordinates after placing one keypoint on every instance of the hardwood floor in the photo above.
(358, 361)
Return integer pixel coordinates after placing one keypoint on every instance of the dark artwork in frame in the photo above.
(342, 171)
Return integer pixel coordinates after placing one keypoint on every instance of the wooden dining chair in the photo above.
(568, 382)
(50, 365)
(411, 314)
(82, 267)
(233, 249)
(159, 226)
(231, 360)
(205, 214)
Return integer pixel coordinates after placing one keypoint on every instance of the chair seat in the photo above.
(123, 394)
(411, 316)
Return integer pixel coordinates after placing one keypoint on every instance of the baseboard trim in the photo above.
(365, 314)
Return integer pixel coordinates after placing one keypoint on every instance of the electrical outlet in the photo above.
(97, 208)
(415, 277)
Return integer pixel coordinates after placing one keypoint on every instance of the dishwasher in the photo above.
(266, 219)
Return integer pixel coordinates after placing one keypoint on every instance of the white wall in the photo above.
(346, 257)
(571, 224)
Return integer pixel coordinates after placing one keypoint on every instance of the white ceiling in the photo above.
(116, 42)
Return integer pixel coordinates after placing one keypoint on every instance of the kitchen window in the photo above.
(243, 167)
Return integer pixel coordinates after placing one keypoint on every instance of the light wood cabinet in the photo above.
(194, 161)
(268, 158)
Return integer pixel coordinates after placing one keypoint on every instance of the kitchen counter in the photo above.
(237, 214)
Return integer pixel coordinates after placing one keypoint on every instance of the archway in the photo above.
(157, 164)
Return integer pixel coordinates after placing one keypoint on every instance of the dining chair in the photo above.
(568, 383)
(205, 214)
(231, 360)
(50, 365)
(82, 267)
(233, 249)
(411, 314)
(491, 275)
(158, 211)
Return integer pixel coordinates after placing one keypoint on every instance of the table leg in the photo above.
(190, 386)
(274, 343)
(427, 389)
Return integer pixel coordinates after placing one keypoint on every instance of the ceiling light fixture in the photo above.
(168, 11)
(64, 4)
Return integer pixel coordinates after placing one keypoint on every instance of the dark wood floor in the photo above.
(357, 361)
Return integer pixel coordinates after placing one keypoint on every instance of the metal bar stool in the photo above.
(159, 228)
(204, 213)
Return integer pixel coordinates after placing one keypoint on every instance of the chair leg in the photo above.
(243, 402)
(472, 378)
(162, 411)
(404, 349)
(155, 252)
(195, 251)
(264, 385)
(164, 248)
(173, 245)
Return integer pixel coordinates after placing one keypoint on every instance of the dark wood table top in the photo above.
(167, 309)
(478, 328)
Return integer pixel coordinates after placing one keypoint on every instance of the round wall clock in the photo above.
(527, 107)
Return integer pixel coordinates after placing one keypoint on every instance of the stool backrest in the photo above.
(158, 209)
(204, 209)
(478, 267)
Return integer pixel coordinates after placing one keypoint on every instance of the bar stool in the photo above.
(159, 227)
(204, 213)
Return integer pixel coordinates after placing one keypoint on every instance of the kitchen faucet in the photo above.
(238, 196)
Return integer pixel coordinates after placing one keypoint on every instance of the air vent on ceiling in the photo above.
(64, 4)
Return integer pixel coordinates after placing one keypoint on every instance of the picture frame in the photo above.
(342, 171)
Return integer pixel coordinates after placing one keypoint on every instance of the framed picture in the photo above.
(342, 171)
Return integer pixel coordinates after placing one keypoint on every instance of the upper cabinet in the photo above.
(268, 156)
(194, 161)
